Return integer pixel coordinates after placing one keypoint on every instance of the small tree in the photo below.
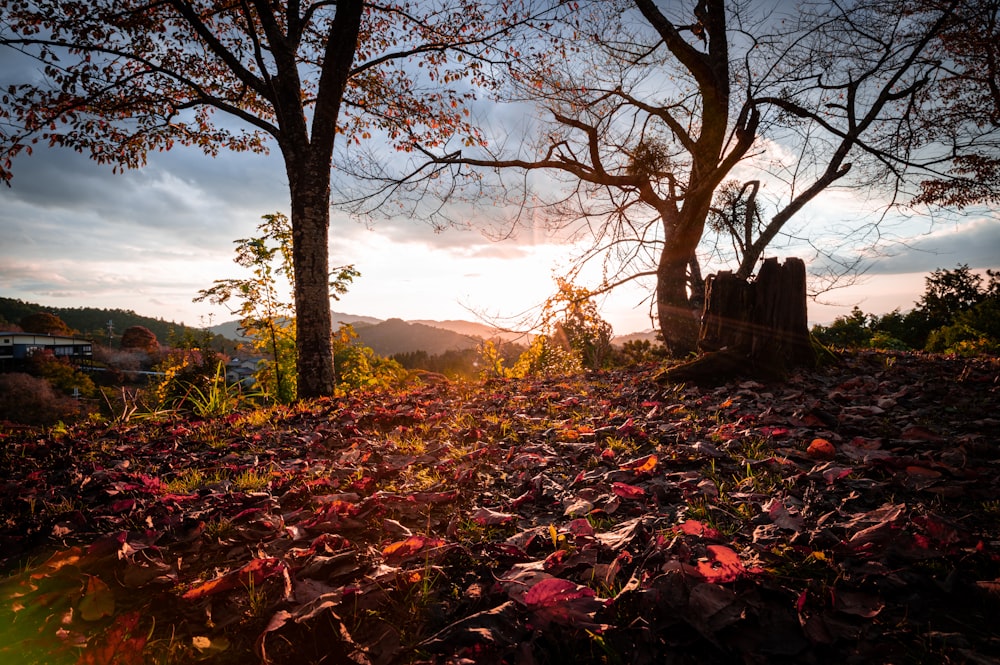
(948, 293)
(61, 375)
(267, 316)
(573, 316)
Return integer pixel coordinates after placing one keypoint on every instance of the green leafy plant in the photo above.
(359, 367)
(265, 307)
(218, 399)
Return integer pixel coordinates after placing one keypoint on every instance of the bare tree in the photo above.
(659, 105)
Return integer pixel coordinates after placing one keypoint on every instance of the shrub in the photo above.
(61, 375)
(31, 400)
(545, 357)
(883, 341)
(186, 372)
(358, 366)
(963, 339)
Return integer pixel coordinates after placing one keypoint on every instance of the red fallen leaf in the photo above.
(435, 497)
(120, 644)
(866, 444)
(122, 506)
(487, 517)
(781, 516)
(821, 449)
(918, 433)
(555, 560)
(696, 528)
(836, 473)
(628, 428)
(721, 565)
(555, 590)
(800, 603)
(627, 491)
(937, 529)
(774, 432)
(365, 484)
(405, 549)
(254, 573)
(581, 527)
(641, 466)
(556, 600)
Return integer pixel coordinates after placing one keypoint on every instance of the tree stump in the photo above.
(756, 329)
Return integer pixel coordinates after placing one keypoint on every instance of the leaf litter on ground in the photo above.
(847, 515)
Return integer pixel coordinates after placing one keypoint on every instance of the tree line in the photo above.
(959, 312)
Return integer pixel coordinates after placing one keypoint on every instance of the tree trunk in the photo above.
(313, 322)
(754, 328)
(678, 320)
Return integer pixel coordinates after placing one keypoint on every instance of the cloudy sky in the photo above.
(74, 234)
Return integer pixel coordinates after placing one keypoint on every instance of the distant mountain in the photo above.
(648, 335)
(398, 336)
(231, 329)
(473, 329)
(352, 319)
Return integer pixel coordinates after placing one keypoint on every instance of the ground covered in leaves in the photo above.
(848, 515)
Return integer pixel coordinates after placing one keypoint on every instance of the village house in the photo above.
(17, 347)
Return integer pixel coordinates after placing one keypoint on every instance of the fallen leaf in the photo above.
(98, 601)
(254, 573)
(414, 546)
(721, 565)
(821, 449)
(627, 491)
(122, 643)
(556, 600)
(488, 517)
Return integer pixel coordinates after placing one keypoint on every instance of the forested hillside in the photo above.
(92, 322)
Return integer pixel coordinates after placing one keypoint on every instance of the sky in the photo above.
(77, 235)
(74, 234)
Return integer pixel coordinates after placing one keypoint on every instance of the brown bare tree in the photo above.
(658, 105)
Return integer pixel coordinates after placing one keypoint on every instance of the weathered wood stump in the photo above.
(757, 329)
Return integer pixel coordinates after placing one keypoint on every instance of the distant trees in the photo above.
(957, 313)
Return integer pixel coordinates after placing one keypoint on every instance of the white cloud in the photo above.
(975, 243)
